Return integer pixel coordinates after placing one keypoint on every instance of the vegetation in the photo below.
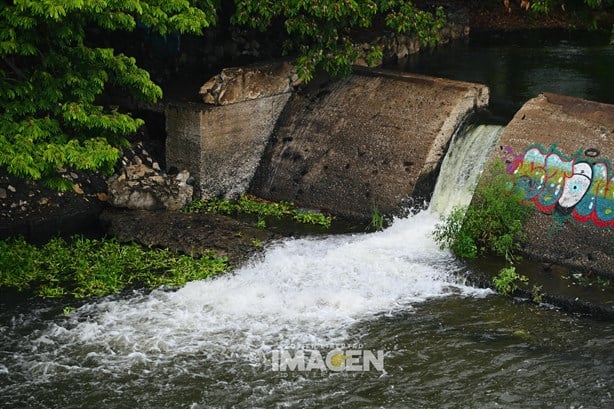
(51, 77)
(85, 268)
(251, 205)
(546, 6)
(507, 281)
(377, 220)
(537, 293)
(320, 31)
(493, 223)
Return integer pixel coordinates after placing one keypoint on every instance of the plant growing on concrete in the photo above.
(311, 217)
(507, 281)
(493, 223)
(252, 205)
(377, 220)
(537, 294)
(85, 268)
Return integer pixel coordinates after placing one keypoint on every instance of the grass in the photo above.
(251, 205)
(377, 220)
(85, 268)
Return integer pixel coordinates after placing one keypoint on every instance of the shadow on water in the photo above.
(519, 66)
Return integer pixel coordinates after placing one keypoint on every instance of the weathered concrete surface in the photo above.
(363, 142)
(573, 188)
(221, 145)
(240, 84)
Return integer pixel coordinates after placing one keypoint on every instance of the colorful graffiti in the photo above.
(581, 185)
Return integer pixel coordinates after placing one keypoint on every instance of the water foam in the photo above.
(312, 290)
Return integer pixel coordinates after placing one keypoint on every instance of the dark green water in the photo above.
(519, 66)
(454, 352)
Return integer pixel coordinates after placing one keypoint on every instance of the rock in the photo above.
(234, 85)
(140, 187)
(3, 193)
(11, 188)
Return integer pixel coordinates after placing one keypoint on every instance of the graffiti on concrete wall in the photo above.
(581, 185)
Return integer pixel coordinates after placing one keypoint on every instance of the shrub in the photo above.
(493, 223)
(506, 282)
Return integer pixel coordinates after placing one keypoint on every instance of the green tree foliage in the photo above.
(546, 6)
(320, 30)
(50, 78)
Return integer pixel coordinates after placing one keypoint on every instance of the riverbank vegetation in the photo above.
(262, 209)
(493, 223)
(83, 267)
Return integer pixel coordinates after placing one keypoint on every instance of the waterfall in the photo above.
(462, 166)
(314, 291)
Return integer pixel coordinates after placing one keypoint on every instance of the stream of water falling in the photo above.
(464, 162)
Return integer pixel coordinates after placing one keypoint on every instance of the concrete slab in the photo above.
(364, 142)
(561, 150)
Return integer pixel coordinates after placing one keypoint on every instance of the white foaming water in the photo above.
(314, 290)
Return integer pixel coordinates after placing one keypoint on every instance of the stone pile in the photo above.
(143, 186)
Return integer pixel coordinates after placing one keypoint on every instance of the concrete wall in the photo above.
(344, 146)
(561, 150)
(221, 146)
(364, 142)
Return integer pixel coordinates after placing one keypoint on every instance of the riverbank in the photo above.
(496, 16)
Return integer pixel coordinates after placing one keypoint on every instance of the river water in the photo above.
(395, 294)
(519, 66)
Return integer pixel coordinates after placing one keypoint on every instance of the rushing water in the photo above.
(456, 182)
(211, 343)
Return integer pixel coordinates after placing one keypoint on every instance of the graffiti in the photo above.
(581, 185)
